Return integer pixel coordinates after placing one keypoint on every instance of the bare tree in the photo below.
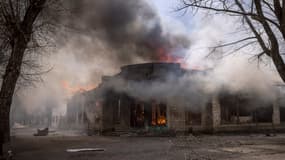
(24, 28)
(263, 20)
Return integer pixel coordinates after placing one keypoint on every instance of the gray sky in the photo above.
(166, 9)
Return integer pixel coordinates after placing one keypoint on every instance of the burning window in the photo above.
(138, 115)
(158, 114)
(151, 114)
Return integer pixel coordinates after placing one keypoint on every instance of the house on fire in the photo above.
(127, 101)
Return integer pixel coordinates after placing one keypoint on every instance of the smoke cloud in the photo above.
(130, 30)
(106, 34)
(233, 75)
(101, 37)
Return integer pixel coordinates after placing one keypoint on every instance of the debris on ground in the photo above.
(18, 126)
(10, 155)
(270, 135)
(84, 150)
(43, 132)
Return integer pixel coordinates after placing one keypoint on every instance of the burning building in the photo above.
(136, 98)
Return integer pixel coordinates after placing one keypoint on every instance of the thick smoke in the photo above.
(103, 35)
(231, 76)
(129, 29)
(175, 91)
(99, 37)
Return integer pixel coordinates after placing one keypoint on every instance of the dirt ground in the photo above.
(203, 147)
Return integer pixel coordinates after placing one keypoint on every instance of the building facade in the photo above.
(118, 104)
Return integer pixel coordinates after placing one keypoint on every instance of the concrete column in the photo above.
(276, 113)
(168, 116)
(176, 119)
(77, 117)
(204, 116)
(125, 117)
(182, 120)
(216, 111)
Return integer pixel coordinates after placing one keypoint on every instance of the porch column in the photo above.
(216, 111)
(125, 116)
(176, 119)
(168, 116)
(276, 113)
(204, 117)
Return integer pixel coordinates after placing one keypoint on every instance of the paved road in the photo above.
(204, 147)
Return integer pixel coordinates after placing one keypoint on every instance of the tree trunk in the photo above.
(21, 32)
(1, 143)
(8, 85)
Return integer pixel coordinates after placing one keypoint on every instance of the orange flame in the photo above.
(166, 57)
(161, 120)
(74, 89)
